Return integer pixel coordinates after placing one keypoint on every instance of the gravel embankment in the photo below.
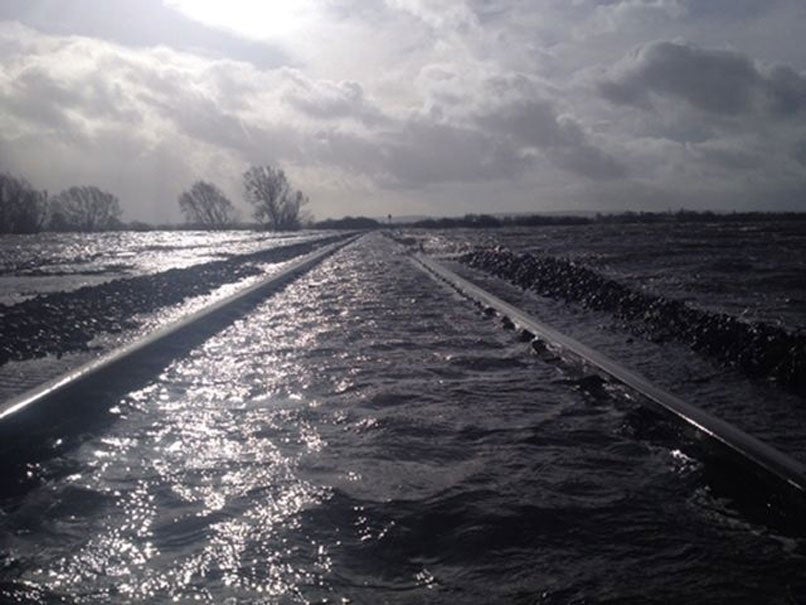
(64, 322)
(757, 349)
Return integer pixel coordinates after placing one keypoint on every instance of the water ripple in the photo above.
(357, 438)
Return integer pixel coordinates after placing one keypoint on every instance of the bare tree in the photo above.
(85, 208)
(23, 209)
(206, 206)
(277, 205)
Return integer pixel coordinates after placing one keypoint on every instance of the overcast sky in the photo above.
(407, 107)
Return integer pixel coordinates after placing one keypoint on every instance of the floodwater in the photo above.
(55, 262)
(368, 436)
(750, 270)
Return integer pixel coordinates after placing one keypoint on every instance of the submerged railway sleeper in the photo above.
(787, 475)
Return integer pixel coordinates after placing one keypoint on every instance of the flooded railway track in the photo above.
(33, 417)
(363, 434)
(763, 458)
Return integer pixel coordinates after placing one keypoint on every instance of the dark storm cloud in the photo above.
(786, 91)
(331, 100)
(535, 123)
(729, 9)
(39, 98)
(426, 152)
(715, 81)
(201, 118)
(420, 152)
(731, 159)
(531, 122)
(588, 161)
(137, 24)
(799, 152)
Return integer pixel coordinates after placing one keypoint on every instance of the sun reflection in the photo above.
(259, 20)
(199, 487)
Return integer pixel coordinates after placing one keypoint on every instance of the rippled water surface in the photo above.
(752, 270)
(368, 436)
(51, 262)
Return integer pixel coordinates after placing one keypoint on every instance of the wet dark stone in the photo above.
(64, 322)
(538, 346)
(757, 349)
(525, 336)
(592, 384)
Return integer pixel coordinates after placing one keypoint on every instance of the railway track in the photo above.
(358, 419)
(784, 470)
(36, 418)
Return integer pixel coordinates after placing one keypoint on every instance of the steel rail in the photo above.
(749, 448)
(141, 349)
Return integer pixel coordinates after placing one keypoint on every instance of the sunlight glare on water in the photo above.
(210, 457)
(381, 440)
(41, 263)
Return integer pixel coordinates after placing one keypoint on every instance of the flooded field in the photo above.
(367, 435)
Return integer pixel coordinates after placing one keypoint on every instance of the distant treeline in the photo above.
(489, 221)
(695, 216)
(277, 206)
(348, 222)
(24, 209)
(532, 220)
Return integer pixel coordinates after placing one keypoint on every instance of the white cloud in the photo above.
(368, 104)
(450, 15)
(257, 20)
